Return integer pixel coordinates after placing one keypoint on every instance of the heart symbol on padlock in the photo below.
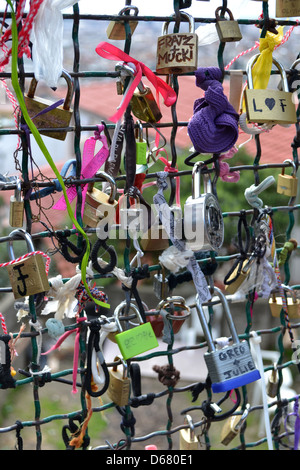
(270, 102)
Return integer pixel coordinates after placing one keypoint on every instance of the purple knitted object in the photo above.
(213, 127)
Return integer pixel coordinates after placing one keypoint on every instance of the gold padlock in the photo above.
(156, 238)
(232, 287)
(228, 30)
(288, 184)
(28, 276)
(269, 105)
(188, 440)
(119, 385)
(16, 210)
(177, 53)
(59, 117)
(232, 426)
(116, 29)
(287, 8)
(273, 383)
(100, 206)
(292, 301)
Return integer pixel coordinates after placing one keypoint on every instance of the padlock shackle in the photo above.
(190, 18)
(204, 325)
(252, 61)
(128, 8)
(293, 165)
(16, 235)
(18, 190)
(176, 301)
(225, 10)
(118, 310)
(110, 180)
(196, 175)
(69, 95)
(290, 291)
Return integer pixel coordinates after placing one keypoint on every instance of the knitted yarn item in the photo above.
(213, 127)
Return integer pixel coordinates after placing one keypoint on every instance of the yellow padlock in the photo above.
(293, 303)
(288, 184)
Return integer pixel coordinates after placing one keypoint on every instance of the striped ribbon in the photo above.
(32, 253)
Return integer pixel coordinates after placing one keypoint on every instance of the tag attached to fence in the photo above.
(136, 340)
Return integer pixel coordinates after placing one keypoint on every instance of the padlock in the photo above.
(116, 29)
(228, 30)
(288, 184)
(293, 303)
(141, 145)
(161, 285)
(119, 384)
(230, 366)
(137, 338)
(239, 278)
(144, 105)
(177, 316)
(177, 53)
(28, 276)
(16, 210)
(58, 117)
(287, 8)
(233, 425)
(187, 437)
(268, 105)
(100, 206)
(203, 219)
(156, 238)
(273, 383)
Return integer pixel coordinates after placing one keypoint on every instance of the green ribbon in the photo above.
(42, 146)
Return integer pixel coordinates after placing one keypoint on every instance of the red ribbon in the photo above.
(108, 51)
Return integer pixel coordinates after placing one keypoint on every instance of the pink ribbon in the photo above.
(90, 165)
(108, 51)
(76, 350)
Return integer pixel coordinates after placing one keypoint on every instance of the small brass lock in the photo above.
(293, 304)
(116, 29)
(287, 8)
(177, 53)
(16, 212)
(119, 384)
(58, 117)
(232, 287)
(187, 438)
(28, 276)
(233, 425)
(156, 238)
(287, 184)
(228, 30)
(268, 105)
(100, 206)
(273, 383)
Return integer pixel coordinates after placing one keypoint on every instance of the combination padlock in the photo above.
(58, 117)
(230, 366)
(187, 437)
(119, 384)
(16, 210)
(203, 219)
(138, 338)
(116, 29)
(273, 383)
(269, 105)
(100, 206)
(177, 53)
(228, 30)
(292, 302)
(28, 276)
(288, 184)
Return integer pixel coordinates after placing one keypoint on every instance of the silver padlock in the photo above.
(231, 366)
(203, 219)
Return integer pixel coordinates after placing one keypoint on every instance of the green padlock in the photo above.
(141, 145)
(136, 340)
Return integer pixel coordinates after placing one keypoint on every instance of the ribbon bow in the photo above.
(91, 164)
(108, 51)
